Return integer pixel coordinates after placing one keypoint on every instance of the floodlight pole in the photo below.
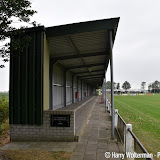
(112, 88)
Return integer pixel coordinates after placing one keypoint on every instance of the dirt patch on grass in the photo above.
(36, 155)
(4, 136)
(5, 139)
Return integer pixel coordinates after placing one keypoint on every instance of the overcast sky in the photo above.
(137, 44)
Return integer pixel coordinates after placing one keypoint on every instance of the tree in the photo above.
(156, 87)
(126, 85)
(150, 87)
(114, 84)
(156, 84)
(11, 12)
(143, 85)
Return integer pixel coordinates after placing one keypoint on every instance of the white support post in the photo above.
(128, 146)
(108, 107)
(116, 117)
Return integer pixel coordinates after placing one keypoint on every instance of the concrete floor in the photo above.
(95, 140)
(93, 143)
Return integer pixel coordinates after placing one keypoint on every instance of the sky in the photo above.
(136, 50)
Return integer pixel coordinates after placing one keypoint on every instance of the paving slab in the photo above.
(95, 139)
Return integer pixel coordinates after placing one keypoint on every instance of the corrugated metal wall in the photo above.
(69, 88)
(26, 81)
(85, 90)
(89, 90)
(57, 87)
(79, 89)
(75, 88)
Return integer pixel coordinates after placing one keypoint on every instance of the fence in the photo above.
(128, 138)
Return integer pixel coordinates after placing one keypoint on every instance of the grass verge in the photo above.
(4, 130)
(36, 155)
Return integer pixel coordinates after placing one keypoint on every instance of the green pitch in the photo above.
(143, 112)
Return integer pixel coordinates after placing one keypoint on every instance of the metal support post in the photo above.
(102, 93)
(64, 86)
(77, 90)
(105, 93)
(81, 89)
(106, 97)
(112, 88)
(72, 88)
(50, 84)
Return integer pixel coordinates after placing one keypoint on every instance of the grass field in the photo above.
(143, 112)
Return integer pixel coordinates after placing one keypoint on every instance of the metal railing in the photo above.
(121, 127)
(138, 146)
(128, 138)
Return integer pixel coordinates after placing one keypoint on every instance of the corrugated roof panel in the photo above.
(90, 42)
(75, 70)
(60, 46)
(94, 73)
(84, 74)
(90, 74)
(97, 67)
(82, 43)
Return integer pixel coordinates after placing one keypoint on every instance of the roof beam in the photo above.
(80, 56)
(92, 75)
(74, 48)
(100, 77)
(100, 70)
(85, 66)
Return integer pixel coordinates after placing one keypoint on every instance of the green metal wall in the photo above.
(26, 81)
